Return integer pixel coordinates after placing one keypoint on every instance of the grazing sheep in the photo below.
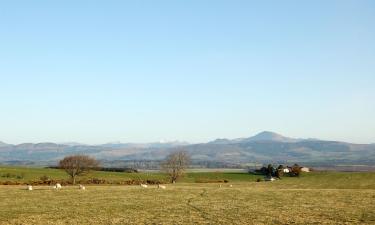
(305, 169)
(57, 186)
(82, 187)
(219, 185)
(230, 185)
(269, 179)
(29, 187)
(161, 186)
(144, 185)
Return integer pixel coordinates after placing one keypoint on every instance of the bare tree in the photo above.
(176, 164)
(76, 165)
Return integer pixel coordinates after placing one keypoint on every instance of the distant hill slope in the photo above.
(269, 136)
(2, 144)
(263, 147)
(261, 137)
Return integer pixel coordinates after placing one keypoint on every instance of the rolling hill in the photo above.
(263, 147)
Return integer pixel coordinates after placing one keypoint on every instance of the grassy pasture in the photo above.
(338, 180)
(245, 203)
(32, 173)
(314, 198)
(28, 174)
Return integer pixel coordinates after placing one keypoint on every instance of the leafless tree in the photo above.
(176, 164)
(76, 165)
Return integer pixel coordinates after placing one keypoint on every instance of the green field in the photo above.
(314, 198)
(24, 175)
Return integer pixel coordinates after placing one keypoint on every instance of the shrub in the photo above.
(211, 181)
(113, 169)
(20, 176)
(44, 178)
(96, 181)
(8, 175)
(153, 182)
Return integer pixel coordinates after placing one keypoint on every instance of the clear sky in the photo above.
(140, 71)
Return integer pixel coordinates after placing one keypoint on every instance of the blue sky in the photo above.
(139, 71)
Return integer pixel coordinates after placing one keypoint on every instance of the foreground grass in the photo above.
(313, 198)
(244, 203)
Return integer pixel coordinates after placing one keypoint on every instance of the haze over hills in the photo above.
(263, 147)
(263, 136)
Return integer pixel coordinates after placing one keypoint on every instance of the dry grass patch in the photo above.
(245, 203)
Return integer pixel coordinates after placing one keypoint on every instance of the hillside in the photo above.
(263, 147)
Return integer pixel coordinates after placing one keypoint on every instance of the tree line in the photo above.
(174, 165)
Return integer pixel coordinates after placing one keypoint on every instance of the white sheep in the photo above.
(82, 187)
(269, 179)
(57, 186)
(161, 186)
(144, 185)
(230, 185)
(29, 187)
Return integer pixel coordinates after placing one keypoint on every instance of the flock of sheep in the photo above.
(56, 187)
(81, 187)
(159, 186)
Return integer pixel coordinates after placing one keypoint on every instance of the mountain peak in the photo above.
(221, 141)
(268, 133)
(270, 136)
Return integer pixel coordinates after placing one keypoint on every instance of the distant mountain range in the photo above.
(263, 147)
(263, 136)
